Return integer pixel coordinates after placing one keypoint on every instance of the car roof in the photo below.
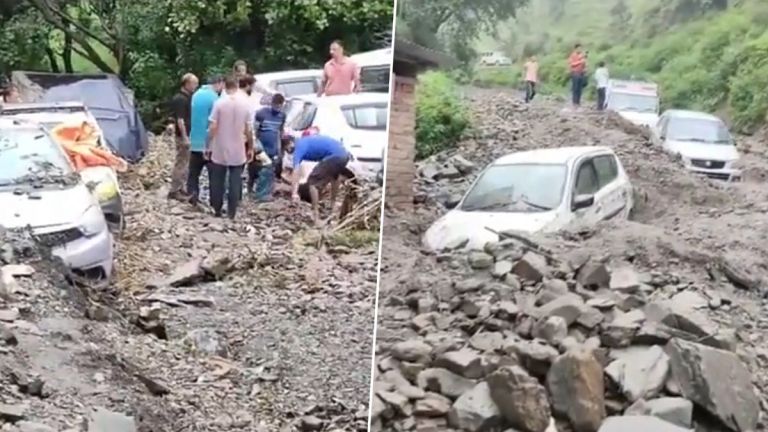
(557, 155)
(271, 76)
(375, 57)
(355, 98)
(700, 115)
(40, 106)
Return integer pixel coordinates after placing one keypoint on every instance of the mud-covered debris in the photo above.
(635, 423)
(12, 413)
(103, 420)
(675, 410)
(520, 398)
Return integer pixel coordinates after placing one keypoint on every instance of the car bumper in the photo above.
(719, 174)
(113, 211)
(89, 255)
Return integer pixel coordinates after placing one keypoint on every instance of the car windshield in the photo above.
(517, 188)
(375, 78)
(633, 102)
(698, 130)
(29, 156)
(371, 116)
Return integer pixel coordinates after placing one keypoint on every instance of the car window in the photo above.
(375, 78)
(517, 188)
(606, 168)
(586, 179)
(304, 118)
(30, 154)
(698, 130)
(633, 102)
(297, 87)
(368, 116)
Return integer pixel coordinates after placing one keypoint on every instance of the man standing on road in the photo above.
(182, 119)
(531, 72)
(577, 63)
(340, 74)
(268, 124)
(201, 107)
(332, 160)
(229, 126)
(601, 82)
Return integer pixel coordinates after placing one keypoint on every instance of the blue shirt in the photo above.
(202, 106)
(270, 124)
(315, 148)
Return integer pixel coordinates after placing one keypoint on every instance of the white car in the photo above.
(494, 59)
(542, 190)
(375, 67)
(288, 83)
(102, 181)
(701, 140)
(635, 101)
(40, 190)
(359, 121)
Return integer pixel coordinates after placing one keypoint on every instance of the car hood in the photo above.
(54, 207)
(458, 227)
(640, 118)
(697, 150)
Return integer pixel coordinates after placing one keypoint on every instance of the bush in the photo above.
(441, 116)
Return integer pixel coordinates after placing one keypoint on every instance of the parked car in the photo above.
(536, 191)
(375, 67)
(288, 83)
(39, 189)
(636, 101)
(359, 121)
(702, 142)
(492, 58)
(102, 181)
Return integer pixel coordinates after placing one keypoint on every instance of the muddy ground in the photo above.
(690, 239)
(210, 325)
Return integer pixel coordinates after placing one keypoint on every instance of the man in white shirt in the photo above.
(601, 78)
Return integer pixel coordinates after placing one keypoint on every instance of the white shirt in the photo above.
(602, 77)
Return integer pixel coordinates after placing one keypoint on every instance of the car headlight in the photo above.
(92, 222)
(105, 190)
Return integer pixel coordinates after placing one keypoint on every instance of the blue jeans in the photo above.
(578, 83)
(263, 178)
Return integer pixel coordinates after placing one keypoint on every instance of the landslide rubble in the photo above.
(652, 324)
(209, 325)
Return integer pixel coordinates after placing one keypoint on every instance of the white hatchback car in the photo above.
(536, 191)
(701, 140)
(40, 190)
(359, 121)
(288, 83)
(374, 69)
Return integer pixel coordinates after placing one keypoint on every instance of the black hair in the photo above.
(216, 79)
(247, 81)
(601, 64)
(278, 99)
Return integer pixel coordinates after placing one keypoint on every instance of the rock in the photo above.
(501, 269)
(717, 381)
(475, 411)
(465, 362)
(575, 382)
(311, 423)
(464, 166)
(433, 405)
(24, 426)
(507, 310)
(593, 275)
(620, 332)
(624, 280)
(638, 424)
(590, 317)
(12, 413)
(553, 329)
(448, 172)
(682, 315)
(568, 306)
(678, 411)
(487, 341)
(9, 315)
(402, 385)
(444, 382)
(640, 372)
(399, 403)
(520, 398)
(536, 356)
(413, 350)
(429, 171)
(480, 260)
(531, 267)
(183, 275)
(209, 342)
(470, 285)
(107, 421)
(552, 289)
(379, 408)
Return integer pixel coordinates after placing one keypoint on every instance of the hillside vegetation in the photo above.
(705, 54)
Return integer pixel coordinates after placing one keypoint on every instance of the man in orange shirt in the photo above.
(531, 72)
(340, 74)
(577, 62)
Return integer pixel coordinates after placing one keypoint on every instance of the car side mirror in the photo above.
(582, 201)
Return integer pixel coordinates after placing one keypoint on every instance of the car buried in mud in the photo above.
(635, 101)
(40, 191)
(543, 190)
(701, 141)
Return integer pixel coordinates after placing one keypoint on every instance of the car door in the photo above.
(659, 130)
(586, 183)
(298, 86)
(613, 196)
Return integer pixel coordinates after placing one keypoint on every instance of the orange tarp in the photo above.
(80, 141)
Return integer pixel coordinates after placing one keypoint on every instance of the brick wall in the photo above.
(401, 150)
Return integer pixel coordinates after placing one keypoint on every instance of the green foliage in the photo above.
(441, 116)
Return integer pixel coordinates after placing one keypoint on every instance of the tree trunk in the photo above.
(66, 55)
(52, 60)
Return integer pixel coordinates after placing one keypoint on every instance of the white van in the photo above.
(375, 69)
(636, 101)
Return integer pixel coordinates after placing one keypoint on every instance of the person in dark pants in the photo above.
(577, 63)
(202, 106)
(269, 124)
(229, 124)
(332, 160)
(181, 109)
(531, 72)
(602, 77)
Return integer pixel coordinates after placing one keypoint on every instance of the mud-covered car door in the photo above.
(586, 185)
(613, 195)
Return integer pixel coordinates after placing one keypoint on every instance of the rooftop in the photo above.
(557, 155)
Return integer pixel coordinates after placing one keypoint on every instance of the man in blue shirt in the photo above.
(332, 160)
(269, 123)
(201, 107)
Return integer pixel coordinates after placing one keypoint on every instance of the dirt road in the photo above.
(211, 325)
(455, 330)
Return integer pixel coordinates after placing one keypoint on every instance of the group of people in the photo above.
(220, 127)
(577, 67)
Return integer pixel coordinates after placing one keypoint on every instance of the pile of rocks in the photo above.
(518, 337)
